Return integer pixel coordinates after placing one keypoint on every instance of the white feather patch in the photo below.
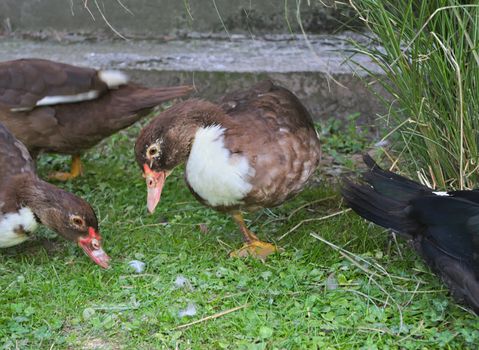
(55, 100)
(9, 223)
(441, 193)
(216, 175)
(113, 78)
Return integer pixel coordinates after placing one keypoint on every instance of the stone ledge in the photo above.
(317, 70)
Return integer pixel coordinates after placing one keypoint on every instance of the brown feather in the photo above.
(70, 128)
(267, 124)
(20, 186)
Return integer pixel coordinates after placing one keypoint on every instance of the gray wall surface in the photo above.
(193, 46)
(173, 17)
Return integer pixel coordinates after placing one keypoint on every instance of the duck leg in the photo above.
(75, 171)
(252, 246)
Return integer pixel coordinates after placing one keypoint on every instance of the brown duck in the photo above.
(254, 149)
(26, 201)
(59, 108)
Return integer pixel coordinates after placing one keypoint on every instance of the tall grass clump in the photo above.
(429, 53)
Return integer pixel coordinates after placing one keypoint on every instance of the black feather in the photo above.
(444, 229)
(472, 196)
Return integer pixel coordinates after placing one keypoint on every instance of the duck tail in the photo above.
(383, 197)
(144, 98)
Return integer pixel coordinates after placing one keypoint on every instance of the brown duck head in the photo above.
(63, 212)
(166, 142)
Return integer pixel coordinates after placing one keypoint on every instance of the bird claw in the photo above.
(256, 249)
(61, 176)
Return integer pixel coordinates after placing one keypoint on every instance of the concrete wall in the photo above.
(172, 17)
(57, 22)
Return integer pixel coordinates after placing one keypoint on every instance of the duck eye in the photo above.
(153, 151)
(77, 221)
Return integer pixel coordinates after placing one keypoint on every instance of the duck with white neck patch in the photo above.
(254, 149)
(26, 201)
(213, 173)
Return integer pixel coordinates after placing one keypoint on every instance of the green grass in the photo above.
(428, 51)
(311, 296)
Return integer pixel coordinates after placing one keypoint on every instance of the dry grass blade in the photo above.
(429, 56)
(371, 274)
(311, 220)
(211, 317)
(221, 19)
(125, 8)
(301, 207)
(106, 21)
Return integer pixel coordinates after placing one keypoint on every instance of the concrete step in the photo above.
(316, 68)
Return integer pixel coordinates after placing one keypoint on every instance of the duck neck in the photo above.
(35, 194)
(201, 115)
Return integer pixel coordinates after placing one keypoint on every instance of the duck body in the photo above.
(56, 107)
(259, 153)
(26, 201)
(443, 227)
(252, 149)
(16, 221)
